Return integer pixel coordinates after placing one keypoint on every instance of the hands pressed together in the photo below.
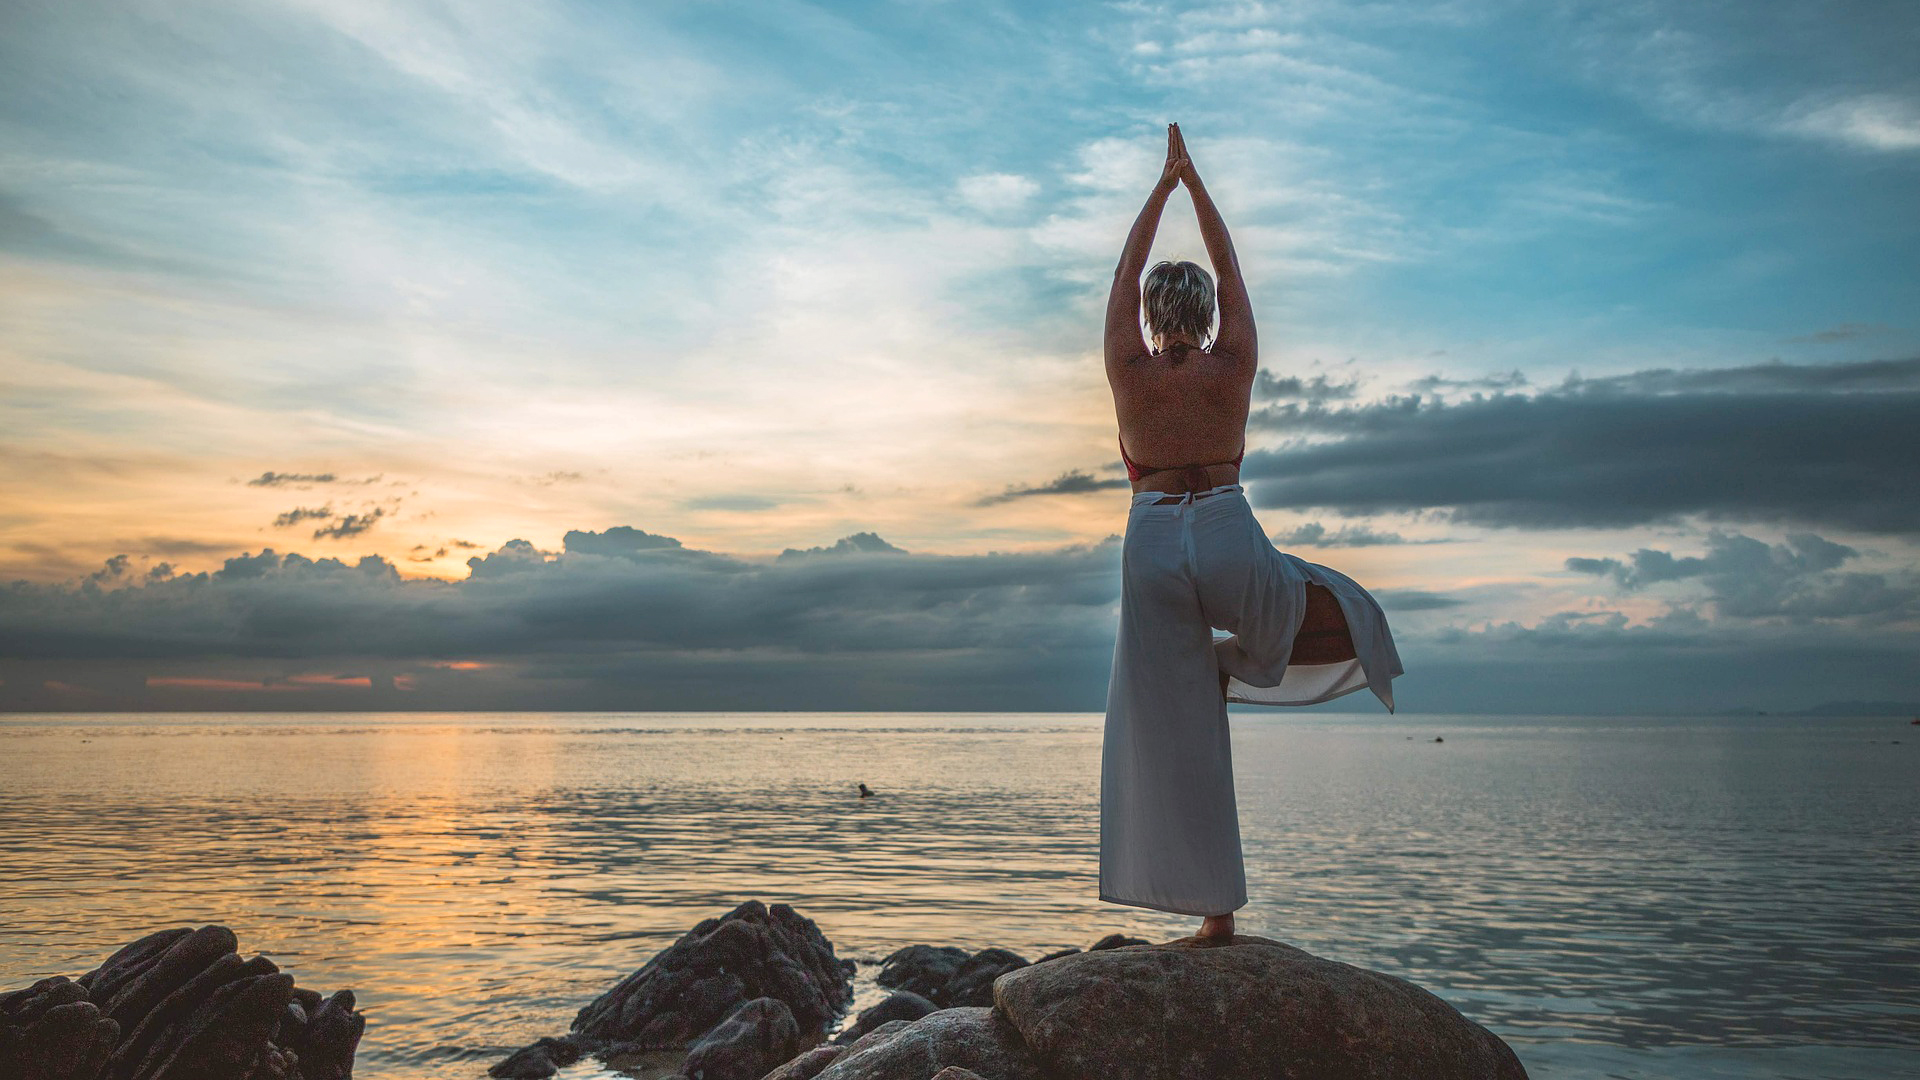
(1179, 168)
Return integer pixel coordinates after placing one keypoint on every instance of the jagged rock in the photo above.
(702, 979)
(753, 951)
(1056, 955)
(50, 1031)
(955, 1072)
(973, 1038)
(808, 1065)
(754, 1038)
(330, 1039)
(899, 1005)
(1250, 1007)
(921, 969)
(1115, 941)
(177, 1005)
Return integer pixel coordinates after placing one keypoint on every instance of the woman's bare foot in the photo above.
(1217, 926)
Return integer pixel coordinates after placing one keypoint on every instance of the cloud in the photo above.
(1394, 600)
(1314, 534)
(277, 479)
(302, 513)
(1747, 578)
(1512, 380)
(997, 193)
(1882, 122)
(1071, 482)
(1269, 387)
(619, 540)
(864, 543)
(1826, 445)
(350, 525)
(1835, 334)
(859, 623)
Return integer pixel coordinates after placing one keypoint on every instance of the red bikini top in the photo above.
(1135, 470)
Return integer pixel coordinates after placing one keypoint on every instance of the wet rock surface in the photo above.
(703, 982)
(178, 1004)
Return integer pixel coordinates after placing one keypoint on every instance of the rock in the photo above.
(751, 952)
(972, 985)
(177, 1005)
(1056, 955)
(753, 1039)
(1115, 941)
(51, 1031)
(899, 1005)
(974, 1038)
(1250, 1007)
(955, 1072)
(331, 1038)
(807, 1065)
(542, 1059)
(921, 969)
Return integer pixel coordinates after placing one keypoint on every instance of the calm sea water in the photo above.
(1657, 898)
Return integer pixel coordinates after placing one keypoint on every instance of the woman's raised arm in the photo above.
(1236, 337)
(1123, 303)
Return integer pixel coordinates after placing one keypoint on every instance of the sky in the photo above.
(692, 355)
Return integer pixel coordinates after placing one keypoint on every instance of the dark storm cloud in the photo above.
(1749, 578)
(1071, 482)
(1829, 445)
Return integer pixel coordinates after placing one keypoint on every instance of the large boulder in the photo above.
(1249, 1007)
(179, 1004)
(972, 1038)
(753, 951)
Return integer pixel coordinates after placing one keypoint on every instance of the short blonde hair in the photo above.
(1178, 298)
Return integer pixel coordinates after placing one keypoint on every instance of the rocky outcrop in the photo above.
(1242, 1009)
(705, 981)
(178, 1005)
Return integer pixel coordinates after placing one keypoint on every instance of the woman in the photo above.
(1194, 559)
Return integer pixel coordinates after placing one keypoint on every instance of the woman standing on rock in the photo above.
(1194, 559)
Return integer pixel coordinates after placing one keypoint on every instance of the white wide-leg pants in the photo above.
(1169, 829)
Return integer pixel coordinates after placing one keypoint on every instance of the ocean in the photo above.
(1659, 898)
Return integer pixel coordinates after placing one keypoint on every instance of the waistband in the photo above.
(1153, 498)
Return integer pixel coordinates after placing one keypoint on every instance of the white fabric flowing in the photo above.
(1169, 828)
